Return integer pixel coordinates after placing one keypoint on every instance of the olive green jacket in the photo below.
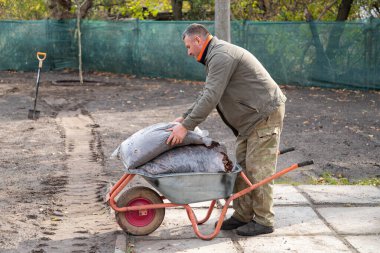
(237, 85)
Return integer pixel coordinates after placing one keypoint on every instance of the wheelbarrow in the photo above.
(140, 210)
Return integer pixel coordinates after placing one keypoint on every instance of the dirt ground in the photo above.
(55, 170)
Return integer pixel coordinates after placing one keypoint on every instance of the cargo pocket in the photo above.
(268, 132)
(268, 141)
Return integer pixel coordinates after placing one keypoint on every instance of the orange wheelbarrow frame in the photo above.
(126, 178)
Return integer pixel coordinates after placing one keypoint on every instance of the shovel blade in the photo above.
(33, 114)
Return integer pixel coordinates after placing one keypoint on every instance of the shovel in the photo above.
(34, 114)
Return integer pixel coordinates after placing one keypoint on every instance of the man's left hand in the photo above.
(179, 133)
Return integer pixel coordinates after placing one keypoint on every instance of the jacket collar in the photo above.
(202, 55)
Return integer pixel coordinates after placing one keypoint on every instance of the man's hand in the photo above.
(179, 133)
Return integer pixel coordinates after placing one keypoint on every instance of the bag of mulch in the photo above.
(188, 159)
(150, 142)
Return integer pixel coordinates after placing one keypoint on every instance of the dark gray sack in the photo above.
(149, 142)
(188, 159)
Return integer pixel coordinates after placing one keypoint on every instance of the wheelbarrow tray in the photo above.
(186, 188)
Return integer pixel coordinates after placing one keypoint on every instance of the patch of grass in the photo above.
(369, 181)
(329, 179)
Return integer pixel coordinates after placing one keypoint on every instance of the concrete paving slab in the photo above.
(120, 244)
(352, 220)
(345, 194)
(365, 243)
(291, 220)
(304, 244)
(186, 246)
(288, 195)
(298, 227)
(177, 225)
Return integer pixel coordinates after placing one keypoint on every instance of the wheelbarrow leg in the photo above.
(250, 188)
(194, 221)
(209, 212)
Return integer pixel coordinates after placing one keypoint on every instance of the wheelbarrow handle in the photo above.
(41, 57)
(286, 150)
(305, 163)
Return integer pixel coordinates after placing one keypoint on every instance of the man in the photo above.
(250, 102)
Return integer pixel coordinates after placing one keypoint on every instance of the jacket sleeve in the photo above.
(220, 69)
(190, 109)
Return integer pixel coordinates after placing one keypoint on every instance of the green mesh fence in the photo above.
(327, 54)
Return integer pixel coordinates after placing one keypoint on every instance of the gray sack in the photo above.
(149, 142)
(188, 159)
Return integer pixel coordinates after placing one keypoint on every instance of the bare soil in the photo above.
(55, 170)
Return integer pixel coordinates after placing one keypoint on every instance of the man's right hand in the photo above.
(179, 133)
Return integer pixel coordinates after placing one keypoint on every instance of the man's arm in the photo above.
(184, 115)
(221, 68)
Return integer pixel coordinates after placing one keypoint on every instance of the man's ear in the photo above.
(197, 39)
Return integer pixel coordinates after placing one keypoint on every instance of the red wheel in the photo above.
(140, 222)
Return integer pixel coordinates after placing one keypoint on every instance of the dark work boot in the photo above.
(252, 228)
(231, 223)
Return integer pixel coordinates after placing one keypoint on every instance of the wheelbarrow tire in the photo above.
(132, 222)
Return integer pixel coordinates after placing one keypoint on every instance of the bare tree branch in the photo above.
(326, 9)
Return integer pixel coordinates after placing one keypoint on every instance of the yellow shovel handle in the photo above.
(41, 57)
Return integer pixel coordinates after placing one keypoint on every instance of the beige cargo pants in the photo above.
(257, 155)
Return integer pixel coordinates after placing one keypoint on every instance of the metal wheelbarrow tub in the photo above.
(185, 188)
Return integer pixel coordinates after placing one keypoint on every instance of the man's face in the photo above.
(194, 45)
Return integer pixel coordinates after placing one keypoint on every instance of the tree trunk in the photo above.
(265, 6)
(85, 8)
(321, 61)
(177, 9)
(60, 9)
(344, 10)
(337, 30)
